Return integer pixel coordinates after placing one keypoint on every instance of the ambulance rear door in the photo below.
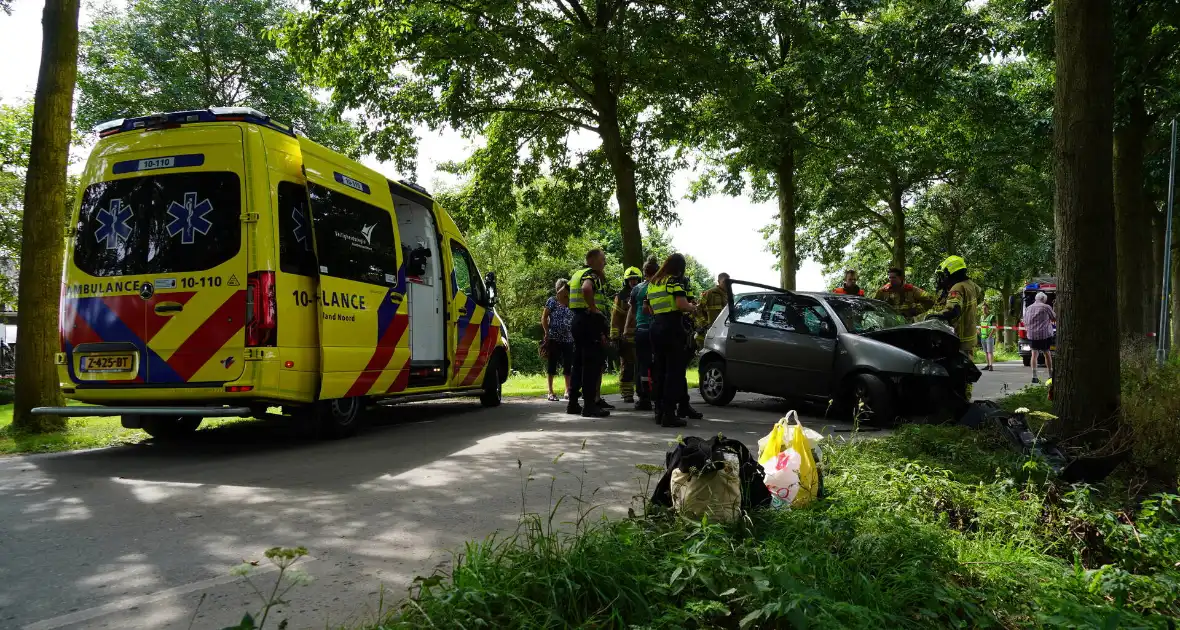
(162, 221)
(363, 316)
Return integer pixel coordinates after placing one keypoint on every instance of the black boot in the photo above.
(685, 410)
(669, 419)
(592, 411)
(644, 404)
(573, 407)
(602, 404)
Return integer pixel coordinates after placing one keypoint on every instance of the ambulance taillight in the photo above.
(262, 309)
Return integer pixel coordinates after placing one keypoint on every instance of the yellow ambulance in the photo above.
(219, 265)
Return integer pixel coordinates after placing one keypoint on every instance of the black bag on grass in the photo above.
(703, 456)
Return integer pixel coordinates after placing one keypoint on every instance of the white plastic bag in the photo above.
(790, 458)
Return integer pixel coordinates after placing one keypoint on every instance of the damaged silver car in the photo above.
(856, 352)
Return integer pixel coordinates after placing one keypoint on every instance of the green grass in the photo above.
(80, 433)
(932, 527)
(530, 385)
(1002, 354)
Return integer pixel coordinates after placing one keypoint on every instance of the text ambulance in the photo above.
(219, 265)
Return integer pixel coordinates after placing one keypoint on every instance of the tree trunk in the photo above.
(1086, 379)
(897, 231)
(623, 168)
(785, 180)
(1133, 225)
(43, 230)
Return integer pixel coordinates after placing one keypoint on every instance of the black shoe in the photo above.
(602, 404)
(643, 405)
(595, 412)
(686, 411)
(573, 408)
(670, 420)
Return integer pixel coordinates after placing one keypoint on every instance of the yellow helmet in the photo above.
(952, 264)
(632, 272)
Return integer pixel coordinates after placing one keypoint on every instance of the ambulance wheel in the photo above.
(493, 386)
(340, 417)
(1027, 360)
(170, 427)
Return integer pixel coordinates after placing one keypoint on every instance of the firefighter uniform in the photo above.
(910, 301)
(960, 298)
(623, 335)
(712, 302)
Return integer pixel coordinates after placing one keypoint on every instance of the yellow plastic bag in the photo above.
(792, 475)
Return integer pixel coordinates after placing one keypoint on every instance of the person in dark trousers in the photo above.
(587, 298)
(667, 294)
(641, 320)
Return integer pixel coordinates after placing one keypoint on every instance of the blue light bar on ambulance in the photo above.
(175, 119)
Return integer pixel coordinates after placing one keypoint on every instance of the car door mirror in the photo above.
(827, 329)
(489, 281)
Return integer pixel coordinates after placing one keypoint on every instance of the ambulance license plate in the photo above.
(107, 363)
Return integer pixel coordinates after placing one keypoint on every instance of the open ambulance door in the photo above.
(362, 311)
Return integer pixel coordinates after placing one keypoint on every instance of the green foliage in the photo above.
(534, 79)
(928, 528)
(525, 278)
(174, 55)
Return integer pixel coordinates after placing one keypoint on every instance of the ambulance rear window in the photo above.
(169, 223)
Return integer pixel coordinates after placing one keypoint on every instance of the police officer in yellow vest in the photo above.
(667, 295)
(712, 302)
(958, 303)
(587, 299)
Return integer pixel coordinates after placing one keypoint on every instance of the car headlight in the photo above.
(927, 367)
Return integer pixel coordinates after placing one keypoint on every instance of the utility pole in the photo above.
(1162, 336)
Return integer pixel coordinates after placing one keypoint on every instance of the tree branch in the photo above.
(556, 113)
(577, 8)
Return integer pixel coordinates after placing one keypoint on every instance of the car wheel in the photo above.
(1027, 360)
(715, 387)
(340, 417)
(493, 388)
(170, 427)
(872, 400)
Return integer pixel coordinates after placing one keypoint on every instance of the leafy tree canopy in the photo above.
(173, 55)
(529, 76)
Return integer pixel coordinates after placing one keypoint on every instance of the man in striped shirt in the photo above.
(1039, 320)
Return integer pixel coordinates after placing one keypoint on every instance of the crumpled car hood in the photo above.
(931, 339)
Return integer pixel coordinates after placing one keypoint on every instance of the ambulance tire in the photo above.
(341, 417)
(493, 385)
(1027, 360)
(167, 428)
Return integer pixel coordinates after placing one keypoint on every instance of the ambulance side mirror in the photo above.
(489, 281)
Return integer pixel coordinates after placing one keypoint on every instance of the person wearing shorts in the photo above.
(1039, 320)
(556, 323)
(987, 337)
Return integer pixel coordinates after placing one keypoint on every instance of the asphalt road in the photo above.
(135, 537)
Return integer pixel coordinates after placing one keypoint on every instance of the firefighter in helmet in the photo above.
(958, 299)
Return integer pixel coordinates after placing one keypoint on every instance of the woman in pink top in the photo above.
(1039, 320)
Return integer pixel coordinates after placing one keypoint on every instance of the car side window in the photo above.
(748, 309)
(797, 314)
